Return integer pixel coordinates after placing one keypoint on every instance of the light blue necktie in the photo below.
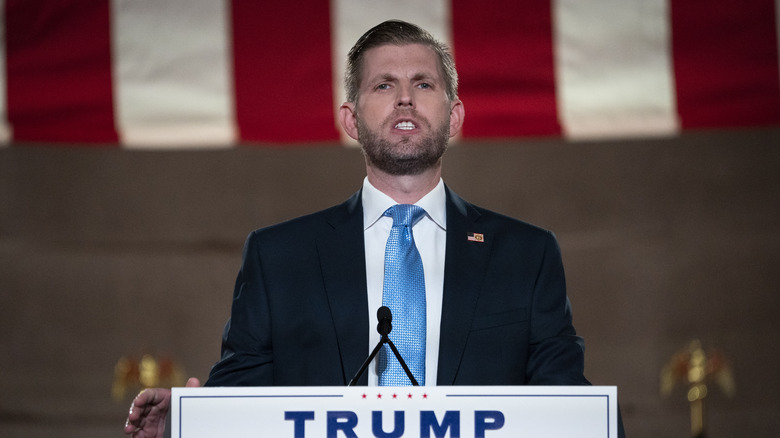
(404, 294)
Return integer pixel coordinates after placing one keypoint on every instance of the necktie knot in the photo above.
(405, 214)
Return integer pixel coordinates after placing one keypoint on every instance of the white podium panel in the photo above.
(394, 412)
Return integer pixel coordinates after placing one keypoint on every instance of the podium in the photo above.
(393, 412)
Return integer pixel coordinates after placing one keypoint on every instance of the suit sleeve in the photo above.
(247, 353)
(556, 354)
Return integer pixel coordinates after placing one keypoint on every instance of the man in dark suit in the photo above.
(300, 314)
(304, 300)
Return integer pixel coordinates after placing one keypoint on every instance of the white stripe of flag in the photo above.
(777, 24)
(173, 73)
(613, 68)
(5, 128)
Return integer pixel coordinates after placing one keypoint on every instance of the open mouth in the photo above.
(405, 126)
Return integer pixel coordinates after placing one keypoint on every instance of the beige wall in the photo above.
(106, 252)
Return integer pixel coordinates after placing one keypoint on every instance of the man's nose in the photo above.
(405, 97)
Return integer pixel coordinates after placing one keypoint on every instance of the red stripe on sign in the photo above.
(725, 62)
(59, 71)
(283, 79)
(504, 53)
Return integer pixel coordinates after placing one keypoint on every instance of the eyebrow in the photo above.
(391, 77)
(424, 76)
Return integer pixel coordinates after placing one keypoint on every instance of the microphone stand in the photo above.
(384, 327)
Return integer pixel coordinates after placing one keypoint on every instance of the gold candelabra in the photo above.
(134, 374)
(695, 369)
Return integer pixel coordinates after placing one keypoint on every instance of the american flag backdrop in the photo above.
(221, 73)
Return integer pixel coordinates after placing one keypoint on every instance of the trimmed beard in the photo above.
(406, 157)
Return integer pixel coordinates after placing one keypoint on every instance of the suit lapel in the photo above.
(343, 262)
(465, 266)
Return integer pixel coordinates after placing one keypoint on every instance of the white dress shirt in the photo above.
(430, 237)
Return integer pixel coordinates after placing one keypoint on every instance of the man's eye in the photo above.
(383, 86)
(425, 85)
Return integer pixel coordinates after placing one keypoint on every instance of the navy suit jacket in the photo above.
(300, 314)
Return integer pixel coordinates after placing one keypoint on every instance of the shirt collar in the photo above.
(375, 203)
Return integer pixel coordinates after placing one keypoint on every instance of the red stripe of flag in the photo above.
(283, 79)
(58, 57)
(504, 53)
(725, 62)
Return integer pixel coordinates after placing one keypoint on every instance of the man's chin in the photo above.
(404, 166)
(408, 157)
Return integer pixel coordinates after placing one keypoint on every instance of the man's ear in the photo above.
(457, 113)
(348, 120)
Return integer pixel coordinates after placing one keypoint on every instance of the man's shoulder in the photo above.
(495, 221)
(312, 223)
(512, 223)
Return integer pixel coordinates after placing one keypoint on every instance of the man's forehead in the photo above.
(389, 59)
(409, 48)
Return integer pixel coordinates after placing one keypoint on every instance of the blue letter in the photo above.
(428, 422)
(480, 425)
(299, 419)
(346, 426)
(379, 432)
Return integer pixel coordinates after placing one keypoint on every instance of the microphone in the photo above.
(384, 326)
(385, 318)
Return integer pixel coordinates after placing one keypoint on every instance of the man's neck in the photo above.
(404, 189)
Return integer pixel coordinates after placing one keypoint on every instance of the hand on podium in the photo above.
(149, 409)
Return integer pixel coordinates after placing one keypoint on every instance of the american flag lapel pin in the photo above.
(475, 237)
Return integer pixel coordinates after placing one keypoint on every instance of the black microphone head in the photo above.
(384, 313)
(385, 318)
